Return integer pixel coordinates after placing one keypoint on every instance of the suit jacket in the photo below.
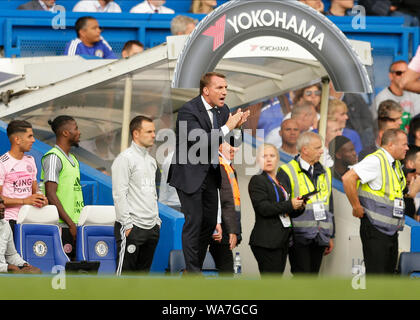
(193, 122)
(231, 219)
(268, 231)
(31, 5)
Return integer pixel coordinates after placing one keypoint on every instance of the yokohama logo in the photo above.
(217, 32)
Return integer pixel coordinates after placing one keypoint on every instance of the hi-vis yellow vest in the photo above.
(305, 226)
(69, 190)
(379, 204)
(233, 183)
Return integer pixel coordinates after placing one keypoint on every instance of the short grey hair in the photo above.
(301, 107)
(306, 139)
(179, 24)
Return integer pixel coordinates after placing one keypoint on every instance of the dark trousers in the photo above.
(380, 251)
(270, 260)
(306, 258)
(69, 245)
(135, 252)
(222, 256)
(200, 211)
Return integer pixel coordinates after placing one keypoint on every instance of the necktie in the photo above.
(311, 171)
(215, 155)
(215, 118)
(393, 165)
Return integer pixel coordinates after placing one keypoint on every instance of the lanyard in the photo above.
(275, 185)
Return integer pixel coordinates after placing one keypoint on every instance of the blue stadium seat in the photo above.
(37, 237)
(409, 264)
(96, 240)
(177, 263)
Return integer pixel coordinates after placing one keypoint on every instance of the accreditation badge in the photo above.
(319, 211)
(285, 220)
(399, 207)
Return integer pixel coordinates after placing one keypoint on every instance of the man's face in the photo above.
(91, 33)
(135, 49)
(397, 71)
(189, 28)
(312, 152)
(49, 3)
(289, 132)
(215, 92)
(228, 151)
(395, 119)
(399, 147)
(145, 136)
(73, 133)
(306, 120)
(347, 154)
(24, 140)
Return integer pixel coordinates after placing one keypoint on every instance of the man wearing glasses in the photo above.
(409, 101)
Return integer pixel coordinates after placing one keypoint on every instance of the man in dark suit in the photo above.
(38, 5)
(203, 124)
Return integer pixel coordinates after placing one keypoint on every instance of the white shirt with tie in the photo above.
(225, 130)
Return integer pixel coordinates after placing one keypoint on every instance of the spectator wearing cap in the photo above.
(344, 154)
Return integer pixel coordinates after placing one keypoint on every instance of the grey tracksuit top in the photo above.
(134, 188)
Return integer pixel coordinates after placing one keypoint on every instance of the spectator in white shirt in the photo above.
(97, 6)
(151, 6)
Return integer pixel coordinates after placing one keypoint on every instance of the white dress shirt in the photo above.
(146, 7)
(95, 6)
(369, 170)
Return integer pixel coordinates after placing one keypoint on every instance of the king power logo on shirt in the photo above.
(264, 18)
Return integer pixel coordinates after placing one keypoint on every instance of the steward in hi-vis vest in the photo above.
(375, 188)
(313, 231)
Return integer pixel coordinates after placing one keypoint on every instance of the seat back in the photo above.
(96, 240)
(37, 237)
(409, 263)
(177, 263)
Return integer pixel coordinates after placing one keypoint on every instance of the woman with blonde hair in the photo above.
(273, 208)
(203, 6)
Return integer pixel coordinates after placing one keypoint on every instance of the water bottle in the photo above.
(237, 267)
